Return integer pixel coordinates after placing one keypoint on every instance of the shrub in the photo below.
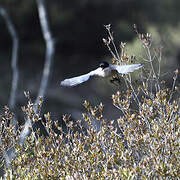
(142, 144)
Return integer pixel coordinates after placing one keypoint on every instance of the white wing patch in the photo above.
(76, 80)
(124, 69)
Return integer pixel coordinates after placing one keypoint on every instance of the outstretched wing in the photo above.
(124, 69)
(77, 80)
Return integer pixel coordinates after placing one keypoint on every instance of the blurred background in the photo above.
(78, 28)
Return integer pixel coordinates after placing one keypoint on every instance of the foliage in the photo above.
(142, 144)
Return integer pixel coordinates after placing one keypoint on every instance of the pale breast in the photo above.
(108, 72)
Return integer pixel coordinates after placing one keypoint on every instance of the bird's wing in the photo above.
(77, 80)
(124, 69)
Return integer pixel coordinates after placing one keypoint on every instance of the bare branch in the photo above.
(14, 60)
(50, 48)
(47, 66)
(15, 75)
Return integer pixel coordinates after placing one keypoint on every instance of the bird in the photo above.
(104, 70)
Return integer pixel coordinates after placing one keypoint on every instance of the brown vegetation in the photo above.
(142, 144)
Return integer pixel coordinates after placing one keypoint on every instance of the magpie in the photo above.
(104, 70)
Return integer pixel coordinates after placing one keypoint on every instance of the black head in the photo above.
(104, 64)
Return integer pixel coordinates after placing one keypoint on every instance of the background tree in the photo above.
(9, 155)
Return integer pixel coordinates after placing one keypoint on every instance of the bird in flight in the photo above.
(104, 70)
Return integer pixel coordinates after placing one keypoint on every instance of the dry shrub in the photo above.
(142, 144)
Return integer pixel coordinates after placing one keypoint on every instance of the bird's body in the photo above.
(105, 70)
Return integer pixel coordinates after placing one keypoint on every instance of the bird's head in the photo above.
(104, 64)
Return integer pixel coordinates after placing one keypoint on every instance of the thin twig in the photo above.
(152, 67)
(116, 51)
(173, 86)
(108, 27)
(135, 97)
